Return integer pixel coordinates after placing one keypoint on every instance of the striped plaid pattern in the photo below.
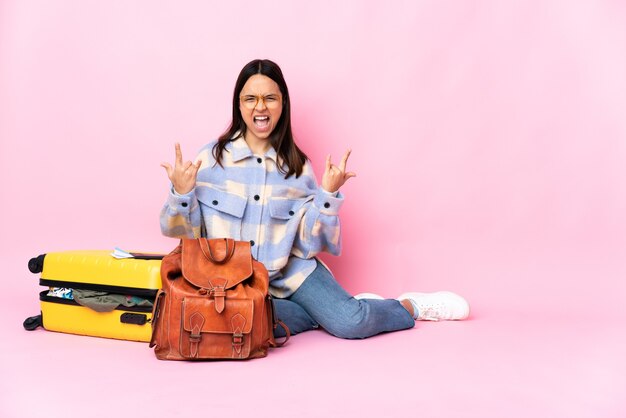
(289, 220)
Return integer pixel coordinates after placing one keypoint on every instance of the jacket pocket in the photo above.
(222, 212)
(285, 209)
(222, 201)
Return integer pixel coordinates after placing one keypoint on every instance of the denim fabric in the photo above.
(321, 301)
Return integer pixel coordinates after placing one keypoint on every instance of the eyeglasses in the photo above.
(271, 101)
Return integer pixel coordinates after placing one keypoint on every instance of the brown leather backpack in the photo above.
(214, 303)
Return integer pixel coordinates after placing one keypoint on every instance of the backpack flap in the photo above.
(207, 333)
(207, 262)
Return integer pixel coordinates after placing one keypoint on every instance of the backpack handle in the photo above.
(227, 255)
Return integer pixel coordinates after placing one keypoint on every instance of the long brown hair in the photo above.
(281, 137)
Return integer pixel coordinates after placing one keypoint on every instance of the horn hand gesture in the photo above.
(183, 175)
(335, 176)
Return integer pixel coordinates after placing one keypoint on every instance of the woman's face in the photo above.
(261, 105)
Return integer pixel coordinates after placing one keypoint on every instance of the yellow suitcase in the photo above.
(99, 271)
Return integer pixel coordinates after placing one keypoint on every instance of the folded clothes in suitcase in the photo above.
(134, 282)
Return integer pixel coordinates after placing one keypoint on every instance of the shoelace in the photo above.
(429, 314)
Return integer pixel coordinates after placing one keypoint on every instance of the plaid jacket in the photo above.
(287, 221)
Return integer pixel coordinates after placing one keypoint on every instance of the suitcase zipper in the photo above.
(120, 290)
(43, 296)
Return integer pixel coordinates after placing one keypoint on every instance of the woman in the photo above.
(255, 184)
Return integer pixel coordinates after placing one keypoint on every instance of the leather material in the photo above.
(200, 259)
(214, 303)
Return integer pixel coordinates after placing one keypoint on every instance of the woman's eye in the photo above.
(270, 99)
(249, 99)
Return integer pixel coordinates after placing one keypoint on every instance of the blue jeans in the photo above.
(321, 301)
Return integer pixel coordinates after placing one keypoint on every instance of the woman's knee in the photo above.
(293, 316)
(350, 323)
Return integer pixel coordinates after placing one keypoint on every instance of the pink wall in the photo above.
(488, 137)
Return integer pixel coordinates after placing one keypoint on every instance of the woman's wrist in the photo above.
(333, 194)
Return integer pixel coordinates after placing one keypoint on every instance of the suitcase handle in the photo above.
(133, 318)
(144, 256)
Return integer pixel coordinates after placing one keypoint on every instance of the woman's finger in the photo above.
(196, 167)
(328, 164)
(344, 160)
(167, 168)
(334, 170)
(179, 154)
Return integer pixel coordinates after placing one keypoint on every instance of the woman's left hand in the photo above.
(335, 176)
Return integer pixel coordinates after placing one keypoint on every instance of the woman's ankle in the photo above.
(408, 306)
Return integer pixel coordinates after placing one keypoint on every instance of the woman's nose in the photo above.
(260, 103)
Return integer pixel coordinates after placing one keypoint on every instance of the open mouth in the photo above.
(261, 121)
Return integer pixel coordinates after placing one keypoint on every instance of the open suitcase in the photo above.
(137, 277)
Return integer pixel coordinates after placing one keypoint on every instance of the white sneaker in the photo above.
(437, 306)
(368, 296)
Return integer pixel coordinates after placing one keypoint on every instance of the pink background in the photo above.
(489, 139)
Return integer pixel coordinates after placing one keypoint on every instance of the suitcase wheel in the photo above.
(32, 323)
(35, 265)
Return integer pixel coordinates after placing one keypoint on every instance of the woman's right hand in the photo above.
(183, 175)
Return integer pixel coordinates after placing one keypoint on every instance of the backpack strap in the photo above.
(275, 323)
(278, 322)
(196, 321)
